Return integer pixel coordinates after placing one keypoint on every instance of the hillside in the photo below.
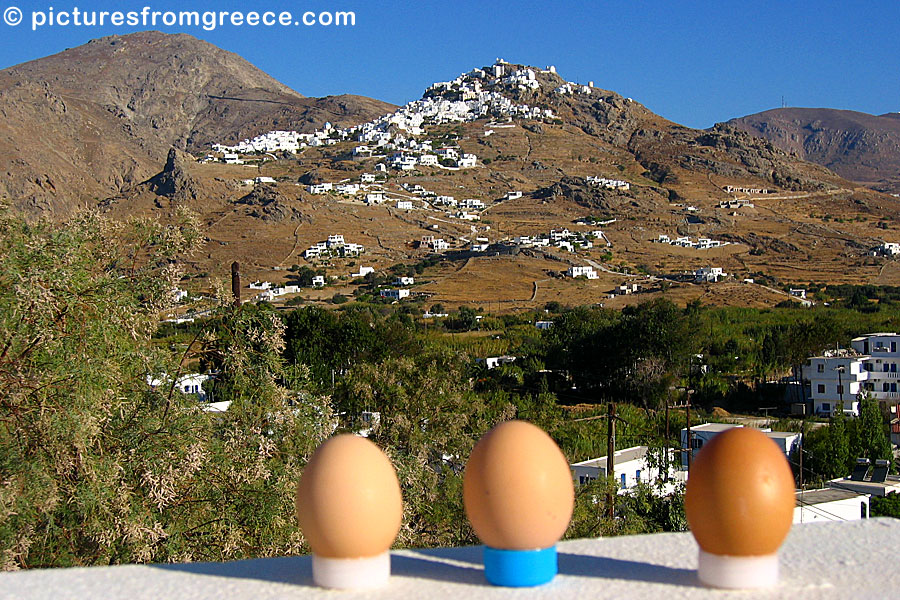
(522, 152)
(91, 121)
(769, 216)
(858, 146)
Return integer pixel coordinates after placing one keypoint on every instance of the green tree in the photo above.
(96, 466)
(868, 438)
(886, 506)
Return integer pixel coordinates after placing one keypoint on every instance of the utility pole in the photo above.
(840, 371)
(236, 282)
(666, 439)
(690, 451)
(611, 458)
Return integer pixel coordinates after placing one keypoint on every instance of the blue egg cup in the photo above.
(519, 568)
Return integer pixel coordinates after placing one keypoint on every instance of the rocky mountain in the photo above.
(858, 146)
(92, 121)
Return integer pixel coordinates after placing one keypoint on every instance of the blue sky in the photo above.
(695, 63)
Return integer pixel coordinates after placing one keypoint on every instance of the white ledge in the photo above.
(819, 560)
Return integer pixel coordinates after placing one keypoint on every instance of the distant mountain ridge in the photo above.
(858, 146)
(93, 120)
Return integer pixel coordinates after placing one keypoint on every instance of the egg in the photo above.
(518, 495)
(349, 507)
(739, 502)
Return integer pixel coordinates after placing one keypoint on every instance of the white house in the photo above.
(871, 365)
(428, 160)
(395, 294)
(492, 362)
(375, 198)
(450, 153)
(513, 195)
(439, 245)
(830, 504)
(835, 378)
(351, 249)
(347, 189)
(191, 383)
(631, 467)
(367, 178)
(709, 274)
(363, 271)
(467, 161)
(881, 364)
(319, 188)
(479, 247)
(445, 200)
(401, 281)
(543, 324)
(404, 204)
(318, 281)
(335, 241)
(471, 204)
(232, 159)
(587, 272)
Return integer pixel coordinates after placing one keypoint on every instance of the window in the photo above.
(820, 368)
(696, 443)
(893, 387)
(623, 479)
(840, 389)
(826, 407)
(885, 387)
(637, 475)
(866, 347)
(893, 367)
(893, 346)
(863, 510)
(821, 388)
(887, 367)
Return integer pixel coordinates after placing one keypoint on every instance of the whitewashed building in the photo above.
(587, 272)
(395, 294)
(632, 466)
(830, 504)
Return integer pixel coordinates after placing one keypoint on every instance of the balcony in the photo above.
(818, 561)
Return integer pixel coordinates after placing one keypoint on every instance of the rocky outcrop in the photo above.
(174, 181)
(602, 201)
(267, 204)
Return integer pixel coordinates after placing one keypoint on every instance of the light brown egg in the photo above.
(348, 499)
(739, 499)
(517, 488)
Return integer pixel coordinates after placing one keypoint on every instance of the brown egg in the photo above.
(739, 499)
(348, 499)
(517, 488)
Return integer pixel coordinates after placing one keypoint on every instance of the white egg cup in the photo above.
(352, 573)
(737, 572)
